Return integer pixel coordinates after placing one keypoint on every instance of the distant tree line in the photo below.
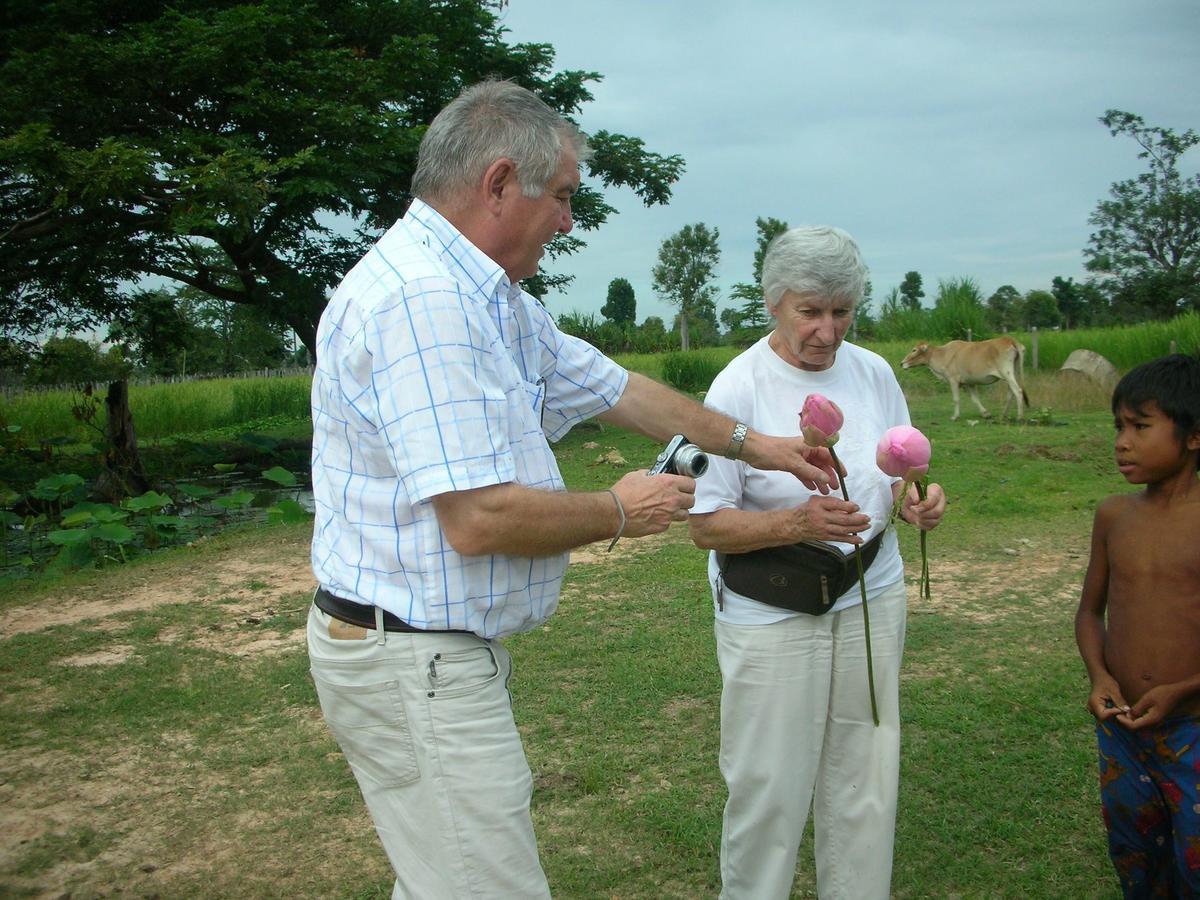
(1144, 260)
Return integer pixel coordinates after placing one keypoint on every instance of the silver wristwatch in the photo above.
(734, 450)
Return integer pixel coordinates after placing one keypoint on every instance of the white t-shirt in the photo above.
(760, 389)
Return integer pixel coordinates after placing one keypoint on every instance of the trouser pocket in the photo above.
(371, 726)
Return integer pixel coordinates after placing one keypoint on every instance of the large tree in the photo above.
(1004, 308)
(250, 149)
(911, 291)
(683, 276)
(620, 305)
(1147, 240)
(750, 319)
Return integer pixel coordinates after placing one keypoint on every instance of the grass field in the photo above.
(160, 734)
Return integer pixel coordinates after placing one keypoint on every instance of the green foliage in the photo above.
(1040, 310)
(620, 307)
(958, 311)
(911, 291)
(750, 321)
(1073, 302)
(692, 371)
(902, 324)
(684, 273)
(69, 360)
(165, 410)
(1125, 346)
(1146, 247)
(210, 143)
(1004, 309)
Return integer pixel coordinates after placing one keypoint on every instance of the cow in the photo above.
(970, 364)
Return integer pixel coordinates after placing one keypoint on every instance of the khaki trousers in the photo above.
(796, 731)
(425, 722)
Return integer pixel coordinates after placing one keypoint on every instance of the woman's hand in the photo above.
(927, 513)
(822, 518)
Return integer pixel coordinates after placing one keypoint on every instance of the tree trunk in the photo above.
(683, 331)
(123, 474)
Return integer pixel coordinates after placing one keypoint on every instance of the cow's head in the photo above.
(917, 356)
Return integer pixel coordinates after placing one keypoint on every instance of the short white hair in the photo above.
(818, 260)
(486, 122)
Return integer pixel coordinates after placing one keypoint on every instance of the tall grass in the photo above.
(1124, 346)
(162, 410)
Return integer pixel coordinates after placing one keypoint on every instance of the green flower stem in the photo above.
(862, 587)
(924, 554)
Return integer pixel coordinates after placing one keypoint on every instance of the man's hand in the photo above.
(812, 465)
(651, 504)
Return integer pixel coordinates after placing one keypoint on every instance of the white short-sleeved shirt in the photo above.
(760, 389)
(436, 374)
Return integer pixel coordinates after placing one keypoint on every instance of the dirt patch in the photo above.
(265, 574)
(109, 656)
(975, 589)
(627, 548)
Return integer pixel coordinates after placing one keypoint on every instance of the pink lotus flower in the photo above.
(820, 421)
(903, 452)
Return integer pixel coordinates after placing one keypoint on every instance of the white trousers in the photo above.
(425, 721)
(796, 730)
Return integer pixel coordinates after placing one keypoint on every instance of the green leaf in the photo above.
(224, 468)
(113, 532)
(148, 500)
(69, 537)
(236, 500)
(78, 517)
(287, 512)
(56, 486)
(196, 491)
(177, 522)
(280, 475)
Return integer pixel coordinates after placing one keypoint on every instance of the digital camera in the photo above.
(680, 457)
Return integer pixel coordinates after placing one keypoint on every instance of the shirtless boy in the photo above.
(1144, 662)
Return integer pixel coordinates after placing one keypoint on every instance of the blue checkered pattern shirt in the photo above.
(435, 373)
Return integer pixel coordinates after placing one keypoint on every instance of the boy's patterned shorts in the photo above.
(1150, 795)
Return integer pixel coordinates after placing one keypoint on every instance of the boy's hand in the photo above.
(1156, 704)
(1106, 702)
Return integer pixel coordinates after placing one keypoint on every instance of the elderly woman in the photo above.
(796, 718)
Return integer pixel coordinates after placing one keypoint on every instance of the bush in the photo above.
(694, 370)
(958, 313)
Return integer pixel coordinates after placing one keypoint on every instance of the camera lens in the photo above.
(690, 460)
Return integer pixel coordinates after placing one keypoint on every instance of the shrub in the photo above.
(694, 370)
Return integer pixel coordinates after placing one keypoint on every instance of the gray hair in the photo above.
(488, 121)
(813, 259)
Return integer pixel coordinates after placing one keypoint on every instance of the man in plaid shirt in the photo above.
(442, 522)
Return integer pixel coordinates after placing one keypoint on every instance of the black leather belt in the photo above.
(364, 616)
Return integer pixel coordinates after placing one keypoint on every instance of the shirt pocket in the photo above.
(370, 724)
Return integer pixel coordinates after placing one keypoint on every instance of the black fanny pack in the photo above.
(807, 577)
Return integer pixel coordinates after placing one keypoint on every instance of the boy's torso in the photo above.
(1153, 602)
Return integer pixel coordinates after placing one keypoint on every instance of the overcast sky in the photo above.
(954, 139)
